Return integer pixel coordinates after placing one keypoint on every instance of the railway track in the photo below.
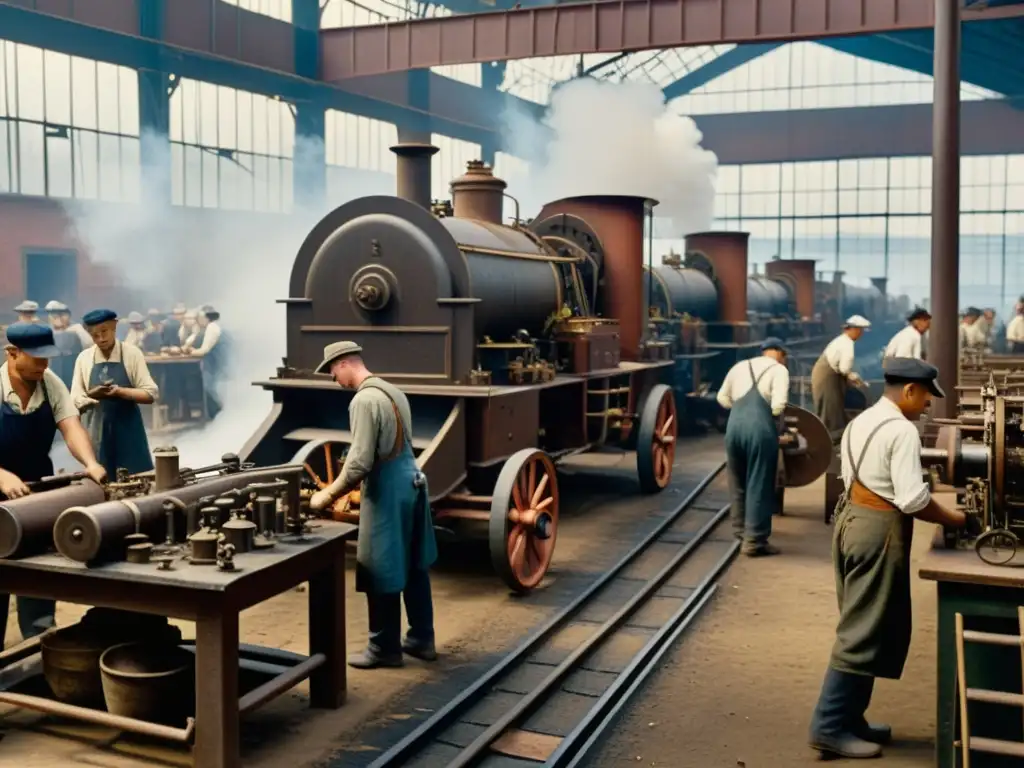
(549, 700)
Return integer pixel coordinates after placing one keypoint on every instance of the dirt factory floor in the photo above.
(477, 621)
(740, 687)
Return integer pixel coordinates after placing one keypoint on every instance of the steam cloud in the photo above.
(615, 138)
(238, 261)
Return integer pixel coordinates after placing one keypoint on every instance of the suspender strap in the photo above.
(849, 450)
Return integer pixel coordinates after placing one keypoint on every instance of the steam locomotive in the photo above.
(519, 346)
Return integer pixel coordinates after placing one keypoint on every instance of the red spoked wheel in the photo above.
(656, 439)
(524, 519)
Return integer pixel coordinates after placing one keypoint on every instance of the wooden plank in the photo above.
(528, 745)
(964, 566)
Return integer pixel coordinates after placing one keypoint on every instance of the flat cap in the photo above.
(902, 370)
(33, 339)
(857, 321)
(972, 312)
(55, 307)
(136, 318)
(773, 343)
(179, 309)
(27, 306)
(97, 316)
(919, 313)
(338, 349)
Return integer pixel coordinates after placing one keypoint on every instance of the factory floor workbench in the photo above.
(213, 599)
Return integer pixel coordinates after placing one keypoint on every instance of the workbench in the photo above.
(213, 599)
(180, 380)
(987, 596)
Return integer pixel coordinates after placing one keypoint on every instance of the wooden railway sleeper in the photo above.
(965, 695)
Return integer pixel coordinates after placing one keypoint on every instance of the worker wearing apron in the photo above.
(885, 491)
(34, 405)
(396, 534)
(833, 372)
(111, 380)
(755, 392)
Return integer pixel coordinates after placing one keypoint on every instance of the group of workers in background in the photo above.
(191, 332)
(885, 489)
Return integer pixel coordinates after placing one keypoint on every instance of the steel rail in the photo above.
(531, 701)
(421, 736)
(627, 683)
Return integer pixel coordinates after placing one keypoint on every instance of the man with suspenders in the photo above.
(755, 392)
(874, 525)
(396, 534)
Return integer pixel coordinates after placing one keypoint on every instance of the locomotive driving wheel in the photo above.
(321, 460)
(656, 440)
(524, 519)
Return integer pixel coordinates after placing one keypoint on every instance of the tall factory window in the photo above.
(361, 13)
(359, 159)
(278, 9)
(449, 163)
(69, 126)
(230, 148)
(810, 75)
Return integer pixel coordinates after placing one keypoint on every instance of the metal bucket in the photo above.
(71, 665)
(147, 681)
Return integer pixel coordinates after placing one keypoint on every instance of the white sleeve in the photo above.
(725, 391)
(844, 356)
(79, 385)
(780, 389)
(909, 488)
(915, 346)
(138, 372)
(59, 397)
(210, 338)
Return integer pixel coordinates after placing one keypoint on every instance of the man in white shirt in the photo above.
(909, 341)
(972, 334)
(111, 381)
(885, 491)
(208, 344)
(136, 335)
(833, 372)
(1015, 333)
(755, 392)
(34, 406)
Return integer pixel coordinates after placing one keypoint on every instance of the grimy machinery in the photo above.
(517, 347)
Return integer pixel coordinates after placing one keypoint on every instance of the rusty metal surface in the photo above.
(798, 277)
(115, 15)
(609, 26)
(726, 255)
(805, 466)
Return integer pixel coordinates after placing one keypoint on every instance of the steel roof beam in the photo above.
(610, 26)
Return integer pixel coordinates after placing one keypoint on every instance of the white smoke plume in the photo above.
(237, 260)
(615, 138)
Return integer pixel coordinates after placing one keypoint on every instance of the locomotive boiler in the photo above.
(517, 347)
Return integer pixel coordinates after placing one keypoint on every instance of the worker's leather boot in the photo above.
(383, 649)
(876, 733)
(751, 549)
(370, 659)
(419, 650)
(846, 745)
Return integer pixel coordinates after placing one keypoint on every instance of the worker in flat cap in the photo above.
(972, 335)
(833, 373)
(994, 330)
(755, 392)
(34, 406)
(909, 342)
(27, 311)
(111, 381)
(172, 325)
(209, 344)
(1015, 331)
(874, 524)
(67, 342)
(136, 330)
(396, 534)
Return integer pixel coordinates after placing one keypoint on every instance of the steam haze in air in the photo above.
(615, 138)
(239, 261)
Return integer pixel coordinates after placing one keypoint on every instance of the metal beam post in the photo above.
(309, 160)
(945, 333)
(154, 111)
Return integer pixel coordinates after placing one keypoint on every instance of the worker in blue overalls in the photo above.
(34, 406)
(111, 381)
(755, 391)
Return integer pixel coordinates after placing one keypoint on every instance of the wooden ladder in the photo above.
(966, 695)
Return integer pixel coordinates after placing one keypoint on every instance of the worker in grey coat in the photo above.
(884, 491)
(755, 392)
(396, 534)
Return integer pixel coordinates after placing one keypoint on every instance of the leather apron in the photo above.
(871, 559)
(396, 531)
(828, 389)
(752, 455)
(115, 425)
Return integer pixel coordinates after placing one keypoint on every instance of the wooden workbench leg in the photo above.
(217, 738)
(327, 633)
(945, 680)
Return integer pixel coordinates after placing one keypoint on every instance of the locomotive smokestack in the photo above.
(479, 194)
(619, 223)
(799, 274)
(413, 172)
(881, 283)
(726, 252)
